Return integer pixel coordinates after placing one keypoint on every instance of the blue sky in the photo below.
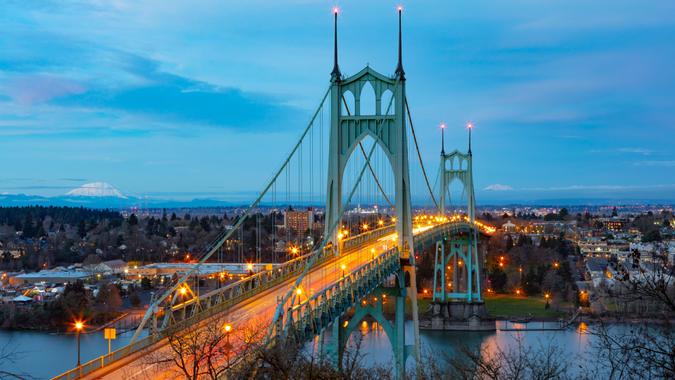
(571, 99)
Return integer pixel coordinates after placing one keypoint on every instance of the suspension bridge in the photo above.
(359, 133)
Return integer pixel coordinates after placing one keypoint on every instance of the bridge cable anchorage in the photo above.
(363, 151)
(225, 234)
(291, 292)
(419, 156)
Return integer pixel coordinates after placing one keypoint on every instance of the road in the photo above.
(254, 313)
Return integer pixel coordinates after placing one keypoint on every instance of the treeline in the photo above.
(30, 220)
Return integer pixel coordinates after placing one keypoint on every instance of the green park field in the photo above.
(509, 306)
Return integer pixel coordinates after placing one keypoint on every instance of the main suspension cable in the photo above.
(419, 156)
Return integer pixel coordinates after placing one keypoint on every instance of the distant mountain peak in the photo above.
(96, 189)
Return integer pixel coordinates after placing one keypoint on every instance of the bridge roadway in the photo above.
(253, 313)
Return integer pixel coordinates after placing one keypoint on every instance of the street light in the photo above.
(298, 291)
(228, 330)
(343, 267)
(79, 325)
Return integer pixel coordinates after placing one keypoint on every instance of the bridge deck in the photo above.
(256, 312)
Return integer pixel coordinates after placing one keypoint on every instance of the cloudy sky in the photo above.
(571, 99)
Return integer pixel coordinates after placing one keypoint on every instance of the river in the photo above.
(42, 355)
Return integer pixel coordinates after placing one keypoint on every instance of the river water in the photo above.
(42, 355)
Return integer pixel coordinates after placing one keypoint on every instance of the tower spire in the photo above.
(399, 69)
(469, 126)
(335, 74)
(442, 139)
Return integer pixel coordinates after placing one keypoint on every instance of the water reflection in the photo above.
(574, 343)
(57, 353)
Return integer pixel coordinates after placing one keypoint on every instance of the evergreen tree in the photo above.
(133, 220)
(81, 229)
(498, 279)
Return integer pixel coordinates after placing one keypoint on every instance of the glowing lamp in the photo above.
(298, 291)
(79, 325)
(228, 328)
(249, 267)
(336, 10)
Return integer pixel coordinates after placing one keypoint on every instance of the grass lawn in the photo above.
(499, 306)
(422, 303)
(505, 305)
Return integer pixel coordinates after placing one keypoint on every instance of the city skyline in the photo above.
(569, 100)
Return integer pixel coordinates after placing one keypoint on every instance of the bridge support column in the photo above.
(457, 303)
(370, 308)
(399, 347)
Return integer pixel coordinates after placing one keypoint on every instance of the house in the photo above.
(595, 268)
(115, 266)
(508, 227)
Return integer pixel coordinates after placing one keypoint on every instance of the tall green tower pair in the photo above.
(387, 126)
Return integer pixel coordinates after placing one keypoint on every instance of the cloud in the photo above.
(634, 150)
(666, 163)
(498, 187)
(165, 96)
(112, 86)
(642, 151)
(29, 89)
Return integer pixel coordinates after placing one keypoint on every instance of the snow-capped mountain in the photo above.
(96, 189)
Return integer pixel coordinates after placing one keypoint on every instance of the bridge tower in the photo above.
(388, 128)
(457, 298)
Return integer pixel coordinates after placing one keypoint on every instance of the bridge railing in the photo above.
(315, 313)
(445, 228)
(366, 237)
